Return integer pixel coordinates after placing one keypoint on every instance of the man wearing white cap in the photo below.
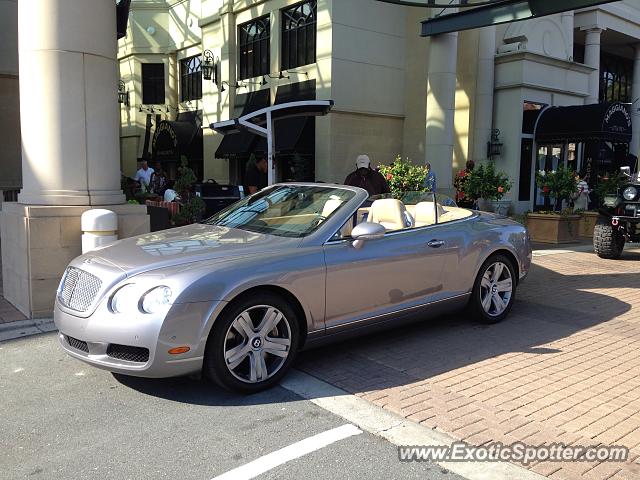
(365, 177)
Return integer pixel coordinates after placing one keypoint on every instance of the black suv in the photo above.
(619, 218)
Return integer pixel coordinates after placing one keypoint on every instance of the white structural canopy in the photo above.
(261, 122)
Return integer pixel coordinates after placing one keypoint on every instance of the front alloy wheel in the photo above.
(252, 345)
(494, 289)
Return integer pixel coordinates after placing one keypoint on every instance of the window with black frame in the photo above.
(616, 78)
(191, 78)
(299, 34)
(153, 83)
(253, 48)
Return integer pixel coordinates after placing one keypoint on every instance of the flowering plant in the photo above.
(560, 184)
(488, 183)
(460, 183)
(404, 176)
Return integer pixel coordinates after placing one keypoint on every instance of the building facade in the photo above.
(395, 93)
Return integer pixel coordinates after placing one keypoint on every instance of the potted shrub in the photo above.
(404, 176)
(191, 205)
(488, 186)
(557, 223)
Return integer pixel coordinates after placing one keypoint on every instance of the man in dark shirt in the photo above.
(256, 175)
(364, 177)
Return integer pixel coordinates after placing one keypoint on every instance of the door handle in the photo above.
(435, 243)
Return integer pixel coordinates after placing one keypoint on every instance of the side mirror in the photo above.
(367, 231)
(625, 171)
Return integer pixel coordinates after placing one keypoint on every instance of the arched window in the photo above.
(253, 46)
(616, 78)
(299, 35)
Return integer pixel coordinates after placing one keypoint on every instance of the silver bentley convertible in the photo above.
(292, 266)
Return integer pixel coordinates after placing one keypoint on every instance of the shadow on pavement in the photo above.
(549, 306)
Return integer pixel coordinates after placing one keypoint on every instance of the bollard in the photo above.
(99, 228)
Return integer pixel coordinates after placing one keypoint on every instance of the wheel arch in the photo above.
(507, 253)
(301, 314)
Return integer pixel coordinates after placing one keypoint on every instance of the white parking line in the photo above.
(286, 454)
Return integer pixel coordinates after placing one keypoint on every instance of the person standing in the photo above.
(143, 175)
(430, 179)
(256, 175)
(365, 177)
(158, 182)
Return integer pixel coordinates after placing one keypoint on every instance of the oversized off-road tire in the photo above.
(608, 241)
(494, 290)
(252, 344)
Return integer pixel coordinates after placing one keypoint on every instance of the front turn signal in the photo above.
(179, 350)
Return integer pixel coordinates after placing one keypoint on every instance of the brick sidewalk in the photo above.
(564, 367)
(8, 313)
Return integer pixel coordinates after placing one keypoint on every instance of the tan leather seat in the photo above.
(390, 213)
(330, 206)
(425, 213)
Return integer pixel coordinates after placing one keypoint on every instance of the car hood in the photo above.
(177, 246)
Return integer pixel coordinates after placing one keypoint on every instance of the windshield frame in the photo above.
(336, 216)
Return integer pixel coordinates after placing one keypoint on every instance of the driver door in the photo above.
(403, 270)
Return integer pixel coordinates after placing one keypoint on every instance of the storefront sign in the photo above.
(617, 119)
(165, 141)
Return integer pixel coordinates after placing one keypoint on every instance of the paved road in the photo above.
(62, 419)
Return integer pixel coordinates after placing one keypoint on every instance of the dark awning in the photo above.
(122, 17)
(182, 136)
(244, 142)
(610, 122)
(498, 12)
(289, 131)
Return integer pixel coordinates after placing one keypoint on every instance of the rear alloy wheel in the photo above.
(494, 289)
(608, 241)
(252, 345)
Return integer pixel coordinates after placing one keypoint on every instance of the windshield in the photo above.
(284, 210)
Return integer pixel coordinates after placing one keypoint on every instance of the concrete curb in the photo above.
(25, 328)
(395, 428)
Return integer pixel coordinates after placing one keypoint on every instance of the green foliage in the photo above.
(192, 206)
(608, 184)
(133, 202)
(560, 184)
(404, 176)
(487, 182)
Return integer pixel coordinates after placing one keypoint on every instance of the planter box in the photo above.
(550, 228)
(587, 224)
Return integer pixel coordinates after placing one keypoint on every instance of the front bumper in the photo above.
(99, 338)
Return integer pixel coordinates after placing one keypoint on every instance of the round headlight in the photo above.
(156, 300)
(630, 193)
(124, 300)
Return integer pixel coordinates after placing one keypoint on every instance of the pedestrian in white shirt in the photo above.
(144, 175)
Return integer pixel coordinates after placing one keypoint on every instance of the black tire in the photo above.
(608, 241)
(476, 305)
(215, 364)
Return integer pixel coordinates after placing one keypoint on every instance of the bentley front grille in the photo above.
(79, 289)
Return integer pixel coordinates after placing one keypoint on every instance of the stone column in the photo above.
(68, 103)
(635, 97)
(567, 19)
(441, 97)
(592, 59)
(483, 117)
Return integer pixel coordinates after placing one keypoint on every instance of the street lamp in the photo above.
(209, 67)
(494, 146)
(123, 94)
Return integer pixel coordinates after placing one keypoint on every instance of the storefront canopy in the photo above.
(182, 136)
(609, 122)
(245, 142)
(289, 132)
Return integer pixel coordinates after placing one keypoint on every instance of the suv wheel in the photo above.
(608, 241)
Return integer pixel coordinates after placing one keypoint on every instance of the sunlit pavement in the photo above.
(62, 419)
(564, 367)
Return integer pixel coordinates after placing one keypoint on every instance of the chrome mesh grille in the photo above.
(128, 353)
(79, 289)
(77, 344)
